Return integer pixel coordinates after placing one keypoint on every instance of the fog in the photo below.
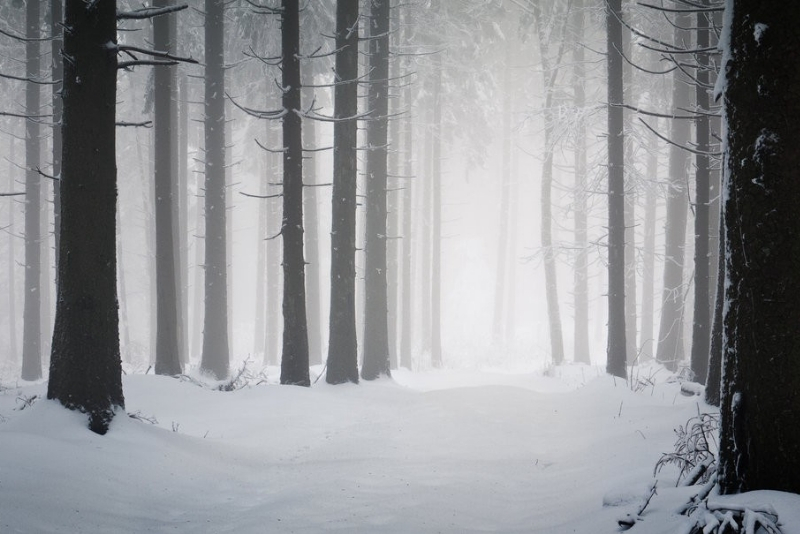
(494, 73)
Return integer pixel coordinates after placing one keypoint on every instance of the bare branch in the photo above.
(149, 12)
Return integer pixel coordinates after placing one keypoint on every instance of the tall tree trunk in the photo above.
(550, 276)
(436, 209)
(715, 357)
(12, 261)
(167, 334)
(407, 253)
(56, 73)
(631, 194)
(376, 320)
(311, 227)
(343, 344)
(670, 338)
(616, 352)
(294, 359)
(31, 337)
(85, 370)
(649, 254)
(182, 154)
(501, 292)
(760, 413)
(581, 278)
(701, 331)
(216, 351)
(260, 322)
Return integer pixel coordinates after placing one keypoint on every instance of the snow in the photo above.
(758, 31)
(568, 449)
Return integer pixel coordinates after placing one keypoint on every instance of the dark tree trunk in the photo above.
(760, 426)
(616, 352)
(670, 349)
(581, 295)
(32, 325)
(294, 360)
(714, 379)
(85, 369)
(216, 355)
(343, 344)
(167, 353)
(376, 309)
(701, 330)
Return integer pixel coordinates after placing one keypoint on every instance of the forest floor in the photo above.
(564, 450)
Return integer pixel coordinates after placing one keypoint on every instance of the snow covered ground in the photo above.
(567, 450)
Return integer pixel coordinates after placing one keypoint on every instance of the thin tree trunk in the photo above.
(616, 352)
(701, 332)
(216, 351)
(407, 295)
(436, 213)
(343, 345)
(56, 73)
(260, 323)
(501, 292)
(581, 276)
(670, 337)
(12, 279)
(649, 254)
(31, 337)
(167, 353)
(311, 227)
(376, 320)
(294, 359)
(182, 216)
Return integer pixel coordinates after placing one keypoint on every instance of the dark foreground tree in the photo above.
(616, 351)
(376, 319)
(760, 426)
(85, 369)
(216, 355)
(294, 359)
(343, 344)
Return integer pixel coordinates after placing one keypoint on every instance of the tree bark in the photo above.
(216, 351)
(670, 349)
(616, 351)
(582, 353)
(294, 359)
(376, 309)
(343, 344)
(32, 325)
(701, 330)
(760, 425)
(167, 328)
(85, 369)
(311, 227)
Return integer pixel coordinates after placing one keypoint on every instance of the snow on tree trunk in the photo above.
(760, 425)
